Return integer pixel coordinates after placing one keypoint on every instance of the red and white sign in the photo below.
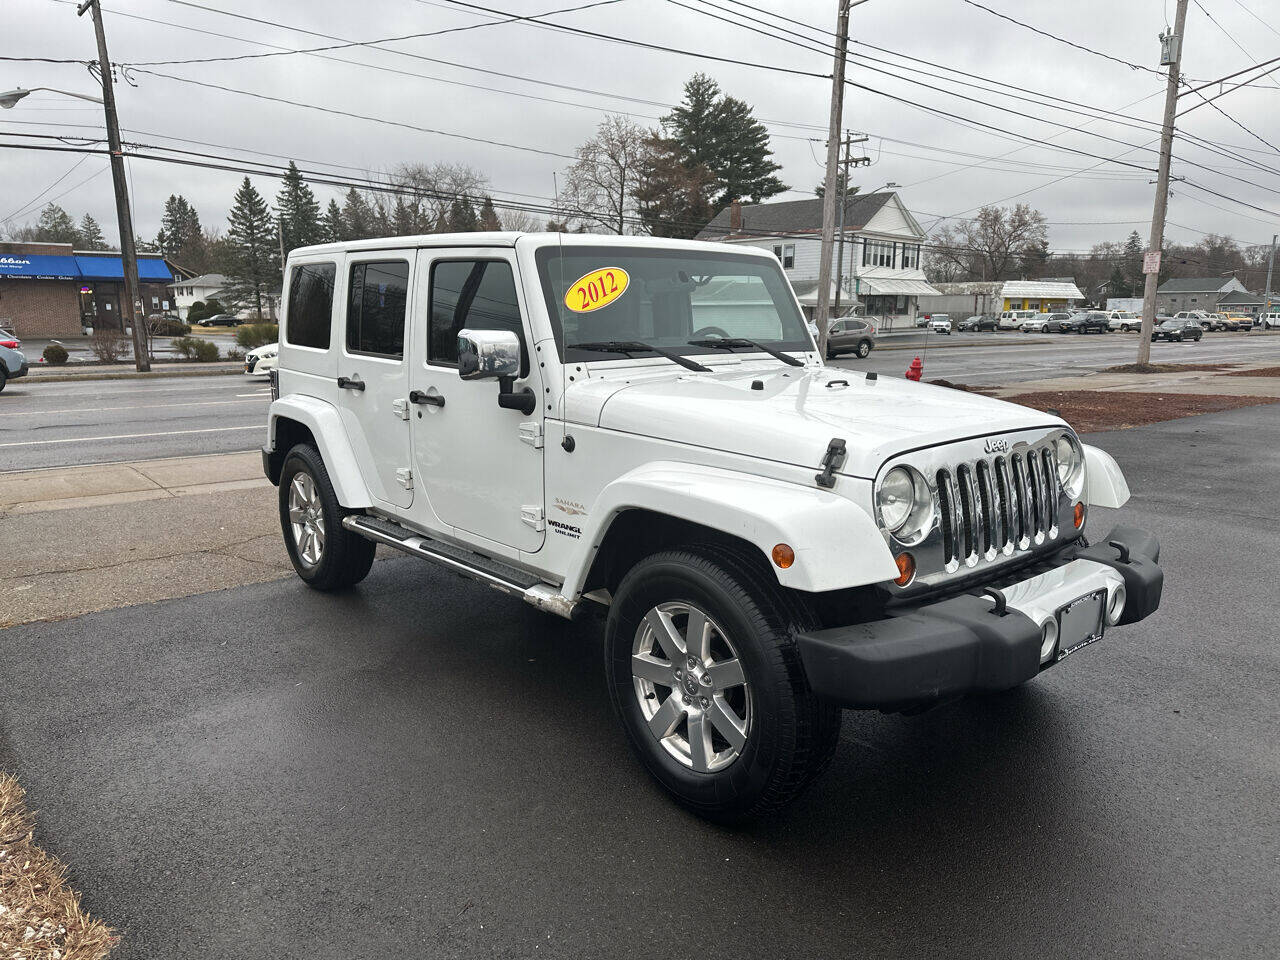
(1151, 262)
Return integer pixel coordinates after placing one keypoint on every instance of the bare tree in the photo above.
(992, 245)
(434, 187)
(600, 187)
(520, 221)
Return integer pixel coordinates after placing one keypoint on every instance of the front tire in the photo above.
(325, 554)
(704, 674)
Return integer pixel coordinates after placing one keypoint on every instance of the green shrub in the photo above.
(198, 311)
(167, 327)
(254, 335)
(213, 306)
(193, 348)
(55, 353)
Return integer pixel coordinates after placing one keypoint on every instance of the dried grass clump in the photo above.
(40, 915)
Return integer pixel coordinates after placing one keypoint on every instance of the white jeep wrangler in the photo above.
(647, 427)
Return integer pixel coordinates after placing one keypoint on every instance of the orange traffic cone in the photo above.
(916, 369)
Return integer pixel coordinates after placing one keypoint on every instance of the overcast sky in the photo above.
(904, 140)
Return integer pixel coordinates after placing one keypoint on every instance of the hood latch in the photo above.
(832, 461)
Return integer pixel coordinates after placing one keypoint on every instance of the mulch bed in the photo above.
(40, 914)
(1167, 367)
(1263, 372)
(1089, 411)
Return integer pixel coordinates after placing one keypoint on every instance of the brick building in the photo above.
(51, 290)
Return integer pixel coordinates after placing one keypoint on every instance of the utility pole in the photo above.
(1172, 56)
(1271, 263)
(845, 163)
(822, 311)
(128, 254)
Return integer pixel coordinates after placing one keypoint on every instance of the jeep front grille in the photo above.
(997, 505)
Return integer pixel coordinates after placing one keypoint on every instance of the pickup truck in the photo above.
(645, 431)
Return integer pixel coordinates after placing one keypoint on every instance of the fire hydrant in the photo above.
(916, 369)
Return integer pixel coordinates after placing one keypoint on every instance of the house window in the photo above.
(878, 253)
(910, 256)
(789, 256)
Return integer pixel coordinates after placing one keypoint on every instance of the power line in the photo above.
(1226, 33)
(32, 201)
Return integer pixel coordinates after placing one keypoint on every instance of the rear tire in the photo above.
(864, 349)
(779, 738)
(325, 554)
(4, 377)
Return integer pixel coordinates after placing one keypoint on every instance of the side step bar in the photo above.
(495, 573)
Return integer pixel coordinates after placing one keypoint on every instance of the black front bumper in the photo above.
(958, 646)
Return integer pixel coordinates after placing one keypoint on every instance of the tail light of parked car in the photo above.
(13, 343)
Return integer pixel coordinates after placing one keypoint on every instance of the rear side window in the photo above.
(474, 294)
(310, 304)
(376, 297)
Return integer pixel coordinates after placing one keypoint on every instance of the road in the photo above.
(425, 768)
(1005, 358)
(103, 421)
(57, 424)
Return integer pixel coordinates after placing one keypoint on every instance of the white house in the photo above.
(879, 265)
(187, 292)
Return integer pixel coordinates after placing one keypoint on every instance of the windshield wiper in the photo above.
(629, 347)
(728, 343)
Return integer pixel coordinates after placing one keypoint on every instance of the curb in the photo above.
(133, 375)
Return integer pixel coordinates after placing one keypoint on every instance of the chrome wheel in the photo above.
(306, 519)
(692, 689)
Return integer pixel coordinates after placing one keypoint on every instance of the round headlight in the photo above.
(895, 498)
(1070, 465)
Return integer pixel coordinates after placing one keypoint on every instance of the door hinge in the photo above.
(532, 516)
(401, 408)
(531, 433)
(404, 477)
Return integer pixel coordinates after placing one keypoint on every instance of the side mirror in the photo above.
(488, 354)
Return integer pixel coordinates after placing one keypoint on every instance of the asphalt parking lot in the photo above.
(426, 768)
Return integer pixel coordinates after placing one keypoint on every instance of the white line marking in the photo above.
(138, 406)
(132, 436)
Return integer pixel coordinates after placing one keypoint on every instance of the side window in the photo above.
(475, 294)
(310, 304)
(376, 296)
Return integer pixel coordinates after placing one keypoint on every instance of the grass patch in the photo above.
(1092, 410)
(40, 915)
(1167, 367)
(1261, 372)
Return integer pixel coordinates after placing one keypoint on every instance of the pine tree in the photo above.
(672, 200)
(331, 227)
(403, 220)
(90, 234)
(720, 133)
(56, 226)
(180, 238)
(488, 216)
(462, 215)
(1133, 248)
(357, 218)
(298, 210)
(1118, 284)
(255, 255)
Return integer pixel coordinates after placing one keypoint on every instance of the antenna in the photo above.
(566, 442)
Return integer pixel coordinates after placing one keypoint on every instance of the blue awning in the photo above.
(150, 269)
(34, 267)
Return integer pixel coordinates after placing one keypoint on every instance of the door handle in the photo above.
(434, 399)
(350, 383)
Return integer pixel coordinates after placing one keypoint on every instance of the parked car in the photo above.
(1013, 319)
(1040, 322)
(9, 340)
(977, 323)
(260, 361)
(1200, 317)
(1060, 323)
(219, 320)
(13, 364)
(1269, 321)
(940, 323)
(1243, 322)
(762, 530)
(1124, 321)
(1177, 330)
(1093, 321)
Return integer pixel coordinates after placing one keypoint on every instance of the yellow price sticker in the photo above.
(597, 289)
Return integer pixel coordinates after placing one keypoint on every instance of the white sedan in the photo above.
(260, 361)
(940, 325)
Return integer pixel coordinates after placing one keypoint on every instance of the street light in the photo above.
(9, 99)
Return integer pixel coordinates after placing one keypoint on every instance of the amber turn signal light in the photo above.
(1078, 516)
(906, 569)
(783, 555)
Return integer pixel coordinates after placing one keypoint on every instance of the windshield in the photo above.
(665, 298)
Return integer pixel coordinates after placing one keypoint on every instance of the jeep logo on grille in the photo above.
(997, 445)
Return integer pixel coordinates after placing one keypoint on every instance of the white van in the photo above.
(1014, 319)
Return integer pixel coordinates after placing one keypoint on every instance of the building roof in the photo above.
(1194, 285)
(204, 280)
(1235, 296)
(1042, 289)
(795, 216)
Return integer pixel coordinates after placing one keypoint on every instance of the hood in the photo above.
(795, 413)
